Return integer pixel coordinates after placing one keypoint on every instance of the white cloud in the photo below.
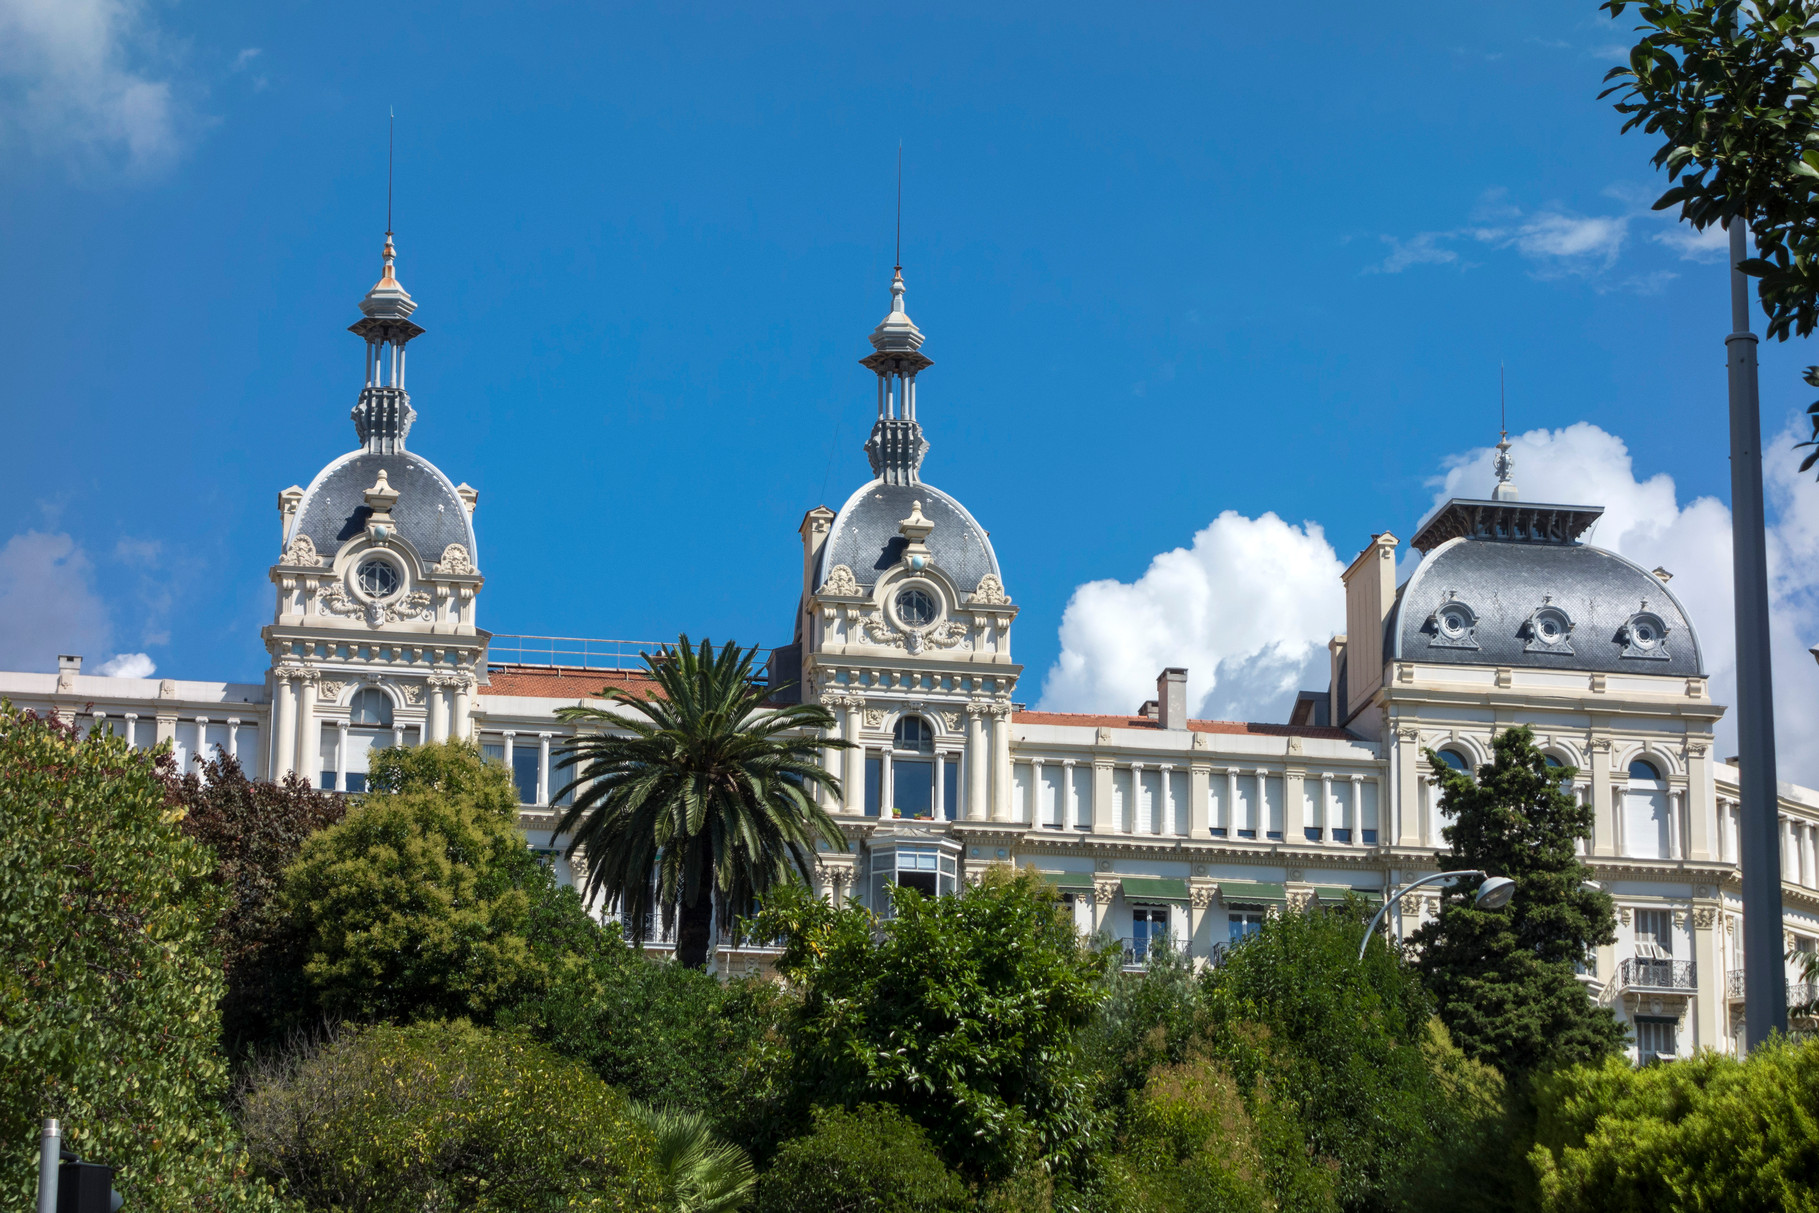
(1247, 609)
(1645, 521)
(47, 602)
(77, 77)
(1425, 248)
(1571, 237)
(1712, 244)
(127, 665)
(1553, 241)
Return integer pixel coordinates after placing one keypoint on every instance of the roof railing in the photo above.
(512, 649)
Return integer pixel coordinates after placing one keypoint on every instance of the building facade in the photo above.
(1150, 825)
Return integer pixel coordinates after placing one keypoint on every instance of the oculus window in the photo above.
(915, 608)
(378, 578)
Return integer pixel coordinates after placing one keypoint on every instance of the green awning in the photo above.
(1070, 882)
(1238, 890)
(1151, 888)
(1327, 892)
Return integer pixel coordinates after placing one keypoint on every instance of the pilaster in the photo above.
(1604, 817)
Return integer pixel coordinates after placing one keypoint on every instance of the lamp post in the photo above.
(1493, 894)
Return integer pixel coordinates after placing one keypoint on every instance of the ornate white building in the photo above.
(1149, 824)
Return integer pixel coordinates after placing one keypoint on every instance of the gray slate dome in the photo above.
(865, 539)
(1507, 589)
(430, 515)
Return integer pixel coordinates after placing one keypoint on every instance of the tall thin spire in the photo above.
(1504, 464)
(383, 416)
(896, 445)
(899, 206)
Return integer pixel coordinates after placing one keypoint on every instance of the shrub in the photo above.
(870, 1159)
(109, 979)
(393, 1119)
(1191, 1147)
(1709, 1132)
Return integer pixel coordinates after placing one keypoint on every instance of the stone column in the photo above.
(1102, 797)
(1231, 802)
(1137, 802)
(1036, 795)
(309, 734)
(1326, 806)
(438, 709)
(938, 793)
(281, 750)
(1604, 816)
(1356, 811)
(1199, 800)
(543, 780)
(1407, 828)
(341, 756)
(1168, 823)
(1070, 800)
(462, 729)
(830, 757)
(977, 764)
(1001, 762)
(233, 738)
(1263, 805)
(1676, 834)
(855, 757)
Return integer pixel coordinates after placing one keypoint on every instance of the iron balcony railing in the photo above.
(1799, 993)
(1642, 973)
(508, 649)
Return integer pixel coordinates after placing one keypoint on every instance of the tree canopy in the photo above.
(1504, 979)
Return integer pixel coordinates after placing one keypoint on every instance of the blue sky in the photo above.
(1171, 259)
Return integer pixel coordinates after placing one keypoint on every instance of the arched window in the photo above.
(1644, 769)
(1559, 768)
(370, 708)
(913, 734)
(1456, 760)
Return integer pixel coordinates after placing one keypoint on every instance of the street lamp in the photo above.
(1493, 894)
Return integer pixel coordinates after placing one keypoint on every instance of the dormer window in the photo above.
(1644, 635)
(378, 579)
(1453, 625)
(1549, 630)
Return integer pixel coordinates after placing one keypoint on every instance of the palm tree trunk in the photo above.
(695, 924)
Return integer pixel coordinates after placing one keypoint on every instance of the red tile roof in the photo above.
(1086, 720)
(561, 681)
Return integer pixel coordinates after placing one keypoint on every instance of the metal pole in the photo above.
(49, 1156)
(1759, 849)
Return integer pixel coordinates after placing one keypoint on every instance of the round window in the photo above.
(915, 608)
(1454, 623)
(1644, 634)
(378, 578)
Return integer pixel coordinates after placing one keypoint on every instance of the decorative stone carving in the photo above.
(1104, 891)
(1104, 736)
(335, 600)
(1298, 898)
(330, 690)
(1703, 917)
(1623, 915)
(1680, 919)
(877, 630)
(413, 692)
(874, 718)
(456, 562)
(840, 583)
(951, 720)
(990, 592)
(944, 635)
(1294, 745)
(1202, 896)
(302, 551)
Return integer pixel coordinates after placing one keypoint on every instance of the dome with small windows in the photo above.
(1510, 584)
(429, 512)
(866, 535)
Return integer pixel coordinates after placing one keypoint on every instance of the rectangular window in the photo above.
(1218, 831)
(1247, 833)
(1370, 838)
(1342, 834)
(950, 787)
(356, 781)
(1242, 924)
(874, 786)
(1655, 1038)
(524, 772)
(1654, 934)
(1312, 832)
(493, 751)
(1149, 925)
(913, 787)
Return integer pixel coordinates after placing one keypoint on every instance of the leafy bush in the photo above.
(424, 901)
(1709, 1132)
(1191, 1146)
(870, 1159)
(108, 976)
(255, 831)
(450, 1116)
(963, 1012)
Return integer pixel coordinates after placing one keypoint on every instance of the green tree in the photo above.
(869, 1159)
(1729, 89)
(255, 831)
(1346, 1042)
(1504, 978)
(1707, 1133)
(703, 799)
(109, 978)
(700, 1175)
(1190, 1146)
(963, 1012)
(390, 1119)
(424, 901)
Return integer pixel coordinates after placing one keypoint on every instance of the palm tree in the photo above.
(704, 788)
(701, 1175)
